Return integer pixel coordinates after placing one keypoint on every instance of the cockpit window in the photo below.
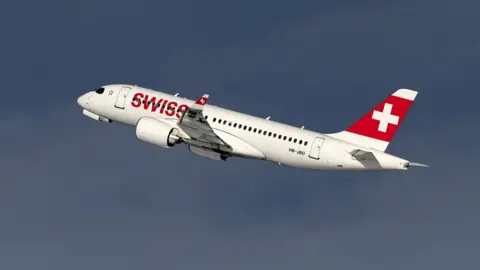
(100, 90)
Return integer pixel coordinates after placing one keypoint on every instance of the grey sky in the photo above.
(79, 194)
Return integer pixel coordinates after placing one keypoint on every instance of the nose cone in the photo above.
(83, 101)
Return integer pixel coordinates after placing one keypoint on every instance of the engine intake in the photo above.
(156, 132)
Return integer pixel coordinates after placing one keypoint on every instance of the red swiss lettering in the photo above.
(148, 102)
(156, 105)
(181, 108)
(172, 106)
(163, 106)
(137, 100)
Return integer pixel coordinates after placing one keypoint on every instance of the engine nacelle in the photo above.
(156, 132)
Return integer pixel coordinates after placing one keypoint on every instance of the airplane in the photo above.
(166, 120)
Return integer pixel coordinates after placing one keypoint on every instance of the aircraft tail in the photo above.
(377, 128)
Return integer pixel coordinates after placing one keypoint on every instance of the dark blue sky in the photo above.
(79, 194)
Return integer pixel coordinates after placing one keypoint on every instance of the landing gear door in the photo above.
(316, 147)
(122, 97)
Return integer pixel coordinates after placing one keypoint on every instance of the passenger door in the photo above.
(122, 97)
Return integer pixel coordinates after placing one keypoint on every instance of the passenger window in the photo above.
(229, 124)
(269, 134)
(300, 141)
(274, 135)
(240, 126)
(255, 130)
(305, 143)
(235, 125)
(264, 133)
(206, 117)
(214, 119)
(290, 139)
(250, 129)
(295, 140)
(244, 127)
(284, 137)
(224, 122)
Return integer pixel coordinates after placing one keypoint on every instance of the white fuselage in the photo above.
(254, 137)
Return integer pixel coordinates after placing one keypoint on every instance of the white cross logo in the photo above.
(202, 100)
(386, 117)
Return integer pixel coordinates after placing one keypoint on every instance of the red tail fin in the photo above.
(377, 128)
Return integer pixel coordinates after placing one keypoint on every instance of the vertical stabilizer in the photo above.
(377, 127)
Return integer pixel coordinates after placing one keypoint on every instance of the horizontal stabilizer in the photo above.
(363, 155)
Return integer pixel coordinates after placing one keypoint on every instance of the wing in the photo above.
(194, 124)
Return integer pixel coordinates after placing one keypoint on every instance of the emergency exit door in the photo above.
(316, 147)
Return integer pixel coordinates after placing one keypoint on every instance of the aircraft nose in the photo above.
(83, 101)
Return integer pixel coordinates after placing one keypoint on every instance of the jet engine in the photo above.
(156, 132)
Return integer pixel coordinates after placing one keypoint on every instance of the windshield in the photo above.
(100, 90)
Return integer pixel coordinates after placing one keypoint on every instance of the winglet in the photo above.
(202, 100)
(198, 106)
